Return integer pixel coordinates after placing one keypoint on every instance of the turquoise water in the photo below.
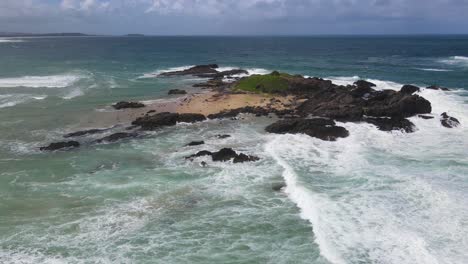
(374, 197)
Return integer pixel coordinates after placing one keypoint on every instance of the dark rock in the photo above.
(244, 158)
(395, 104)
(409, 89)
(221, 75)
(321, 128)
(191, 118)
(435, 87)
(85, 132)
(151, 111)
(448, 121)
(364, 84)
(116, 137)
(255, 110)
(166, 119)
(224, 154)
(199, 69)
(200, 154)
(425, 116)
(124, 104)
(177, 91)
(391, 123)
(61, 145)
(278, 186)
(195, 143)
(215, 83)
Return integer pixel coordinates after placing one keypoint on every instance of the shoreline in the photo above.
(205, 103)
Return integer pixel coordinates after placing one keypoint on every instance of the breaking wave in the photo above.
(51, 81)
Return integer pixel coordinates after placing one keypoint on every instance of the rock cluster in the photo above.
(225, 154)
(448, 121)
(125, 104)
(152, 122)
(325, 129)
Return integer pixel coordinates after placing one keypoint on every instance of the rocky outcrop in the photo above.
(152, 122)
(225, 154)
(196, 70)
(338, 103)
(321, 128)
(116, 137)
(409, 89)
(222, 74)
(61, 146)
(362, 88)
(448, 121)
(176, 91)
(435, 87)
(391, 123)
(124, 105)
(85, 132)
(255, 110)
(195, 143)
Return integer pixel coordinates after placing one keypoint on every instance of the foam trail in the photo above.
(51, 81)
(433, 70)
(9, 100)
(456, 61)
(3, 40)
(305, 200)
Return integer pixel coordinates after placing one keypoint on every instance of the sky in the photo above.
(235, 17)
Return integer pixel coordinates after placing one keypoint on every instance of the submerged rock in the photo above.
(125, 104)
(321, 128)
(391, 123)
(435, 87)
(152, 122)
(425, 116)
(278, 186)
(199, 69)
(448, 121)
(195, 143)
(177, 91)
(116, 137)
(85, 132)
(61, 145)
(409, 89)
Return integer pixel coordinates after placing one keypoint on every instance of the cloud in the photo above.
(236, 16)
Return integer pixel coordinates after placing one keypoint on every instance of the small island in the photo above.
(305, 105)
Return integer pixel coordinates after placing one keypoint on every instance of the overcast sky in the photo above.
(235, 17)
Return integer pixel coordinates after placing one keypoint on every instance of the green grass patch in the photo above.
(269, 83)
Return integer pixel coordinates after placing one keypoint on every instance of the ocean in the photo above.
(374, 197)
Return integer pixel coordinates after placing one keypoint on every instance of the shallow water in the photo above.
(374, 197)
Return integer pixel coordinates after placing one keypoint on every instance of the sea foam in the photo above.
(51, 81)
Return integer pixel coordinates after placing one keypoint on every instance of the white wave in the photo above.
(158, 72)
(433, 70)
(51, 81)
(9, 100)
(73, 93)
(251, 71)
(456, 60)
(5, 40)
(380, 84)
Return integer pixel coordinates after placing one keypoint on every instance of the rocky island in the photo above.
(310, 106)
